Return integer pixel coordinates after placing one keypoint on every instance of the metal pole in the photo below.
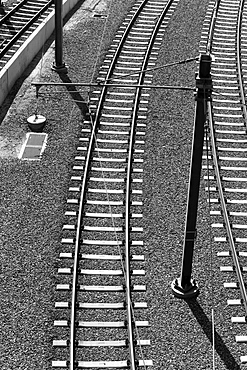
(59, 65)
(185, 286)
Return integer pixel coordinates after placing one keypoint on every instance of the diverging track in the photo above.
(225, 37)
(101, 297)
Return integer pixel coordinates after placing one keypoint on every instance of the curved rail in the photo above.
(212, 23)
(83, 193)
(128, 184)
(25, 27)
(240, 79)
(81, 206)
(224, 210)
(214, 150)
(127, 199)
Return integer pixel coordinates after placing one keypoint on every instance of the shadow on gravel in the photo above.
(75, 95)
(206, 325)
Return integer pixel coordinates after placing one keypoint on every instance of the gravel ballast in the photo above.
(33, 202)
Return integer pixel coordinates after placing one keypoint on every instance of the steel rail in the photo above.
(12, 11)
(83, 192)
(212, 23)
(24, 28)
(224, 210)
(240, 78)
(214, 150)
(130, 319)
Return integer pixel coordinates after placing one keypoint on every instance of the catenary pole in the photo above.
(59, 65)
(185, 286)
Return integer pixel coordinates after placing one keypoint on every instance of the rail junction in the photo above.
(108, 178)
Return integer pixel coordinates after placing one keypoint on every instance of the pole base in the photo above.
(190, 291)
(59, 69)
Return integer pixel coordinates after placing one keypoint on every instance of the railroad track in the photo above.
(225, 37)
(101, 320)
(18, 24)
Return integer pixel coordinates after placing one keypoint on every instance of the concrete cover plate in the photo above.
(33, 146)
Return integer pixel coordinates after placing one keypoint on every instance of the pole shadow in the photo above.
(75, 95)
(206, 325)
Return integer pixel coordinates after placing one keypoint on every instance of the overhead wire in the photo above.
(184, 61)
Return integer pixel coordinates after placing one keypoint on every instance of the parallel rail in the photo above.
(227, 224)
(225, 213)
(15, 24)
(130, 318)
(225, 99)
(126, 56)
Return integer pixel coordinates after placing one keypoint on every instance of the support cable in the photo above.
(207, 130)
(152, 69)
(211, 245)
